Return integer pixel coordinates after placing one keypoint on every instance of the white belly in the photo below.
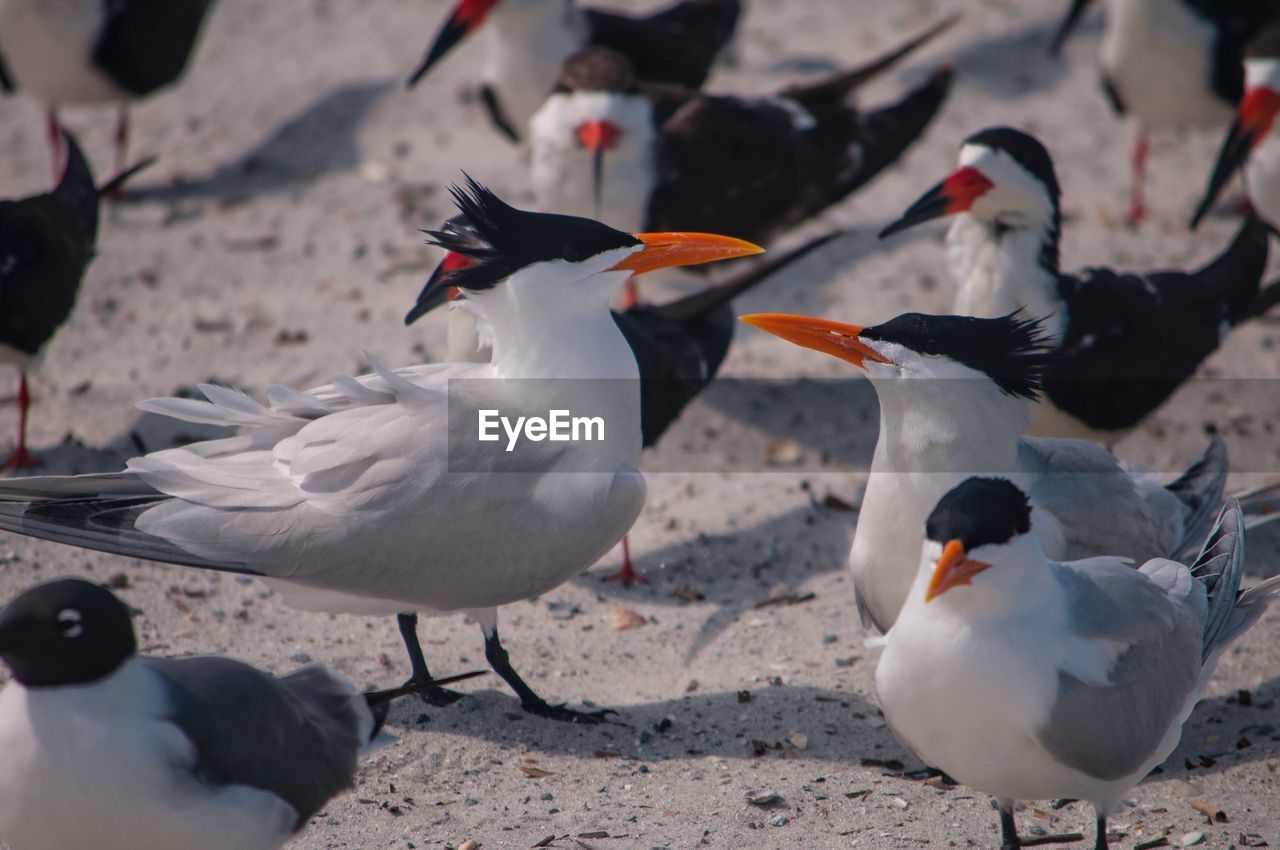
(81, 769)
(1262, 179)
(524, 53)
(48, 45)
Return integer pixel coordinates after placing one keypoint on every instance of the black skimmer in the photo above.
(46, 243)
(110, 749)
(678, 346)
(331, 487)
(71, 52)
(606, 145)
(1032, 679)
(1252, 145)
(1172, 64)
(530, 39)
(1114, 364)
(953, 394)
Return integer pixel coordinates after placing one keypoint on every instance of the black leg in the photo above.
(1008, 829)
(421, 679)
(1100, 843)
(529, 701)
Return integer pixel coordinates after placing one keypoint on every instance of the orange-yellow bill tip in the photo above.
(835, 338)
(953, 569)
(669, 250)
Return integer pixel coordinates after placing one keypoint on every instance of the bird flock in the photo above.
(1045, 614)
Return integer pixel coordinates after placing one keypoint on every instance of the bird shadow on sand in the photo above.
(321, 139)
(1016, 63)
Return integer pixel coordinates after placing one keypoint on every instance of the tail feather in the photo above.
(1220, 566)
(1268, 297)
(1236, 274)
(1200, 489)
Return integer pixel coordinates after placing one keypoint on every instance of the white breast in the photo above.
(48, 47)
(1262, 178)
(96, 766)
(526, 45)
(998, 276)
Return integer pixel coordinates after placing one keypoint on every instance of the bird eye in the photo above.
(69, 620)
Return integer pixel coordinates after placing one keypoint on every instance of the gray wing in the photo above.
(1101, 508)
(297, 737)
(1110, 730)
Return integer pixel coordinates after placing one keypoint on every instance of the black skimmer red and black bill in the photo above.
(1029, 679)
(109, 749)
(528, 40)
(46, 243)
(1172, 64)
(953, 394)
(73, 52)
(1252, 145)
(1114, 362)
(607, 145)
(331, 487)
(678, 346)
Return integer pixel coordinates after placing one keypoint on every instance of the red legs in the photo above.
(20, 458)
(122, 147)
(627, 576)
(1138, 177)
(53, 132)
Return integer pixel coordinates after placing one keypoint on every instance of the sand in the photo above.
(277, 239)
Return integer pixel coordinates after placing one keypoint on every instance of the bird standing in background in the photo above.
(46, 243)
(72, 52)
(108, 749)
(1111, 331)
(1031, 679)
(953, 393)
(528, 40)
(1252, 145)
(367, 496)
(1170, 64)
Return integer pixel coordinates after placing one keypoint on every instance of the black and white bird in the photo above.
(109, 749)
(73, 52)
(1252, 145)
(953, 394)
(636, 156)
(1125, 342)
(46, 243)
(1171, 64)
(1033, 679)
(374, 495)
(528, 40)
(678, 346)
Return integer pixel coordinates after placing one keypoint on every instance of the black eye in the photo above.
(69, 623)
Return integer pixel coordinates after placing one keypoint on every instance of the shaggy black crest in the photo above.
(979, 512)
(1013, 352)
(500, 240)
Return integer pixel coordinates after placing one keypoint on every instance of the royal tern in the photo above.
(108, 749)
(1172, 64)
(529, 39)
(366, 497)
(1031, 679)
(1112, 330)
(46, 243)
(1252, 145)
(953, 393)
(71, 52)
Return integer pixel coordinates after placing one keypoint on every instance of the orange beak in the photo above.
(952, 570)
(669, 250)
(834, 338)
(1254, 117)
(598, 135)
(954, 195)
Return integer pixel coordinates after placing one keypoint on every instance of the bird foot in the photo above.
(627, 576)
(569, 715)
(20, 458)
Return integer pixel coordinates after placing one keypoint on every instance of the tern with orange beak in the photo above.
(1114, 363)
(382, 495)
(953, 395)
(529, 39)
(1252, 145)
(1031, 679)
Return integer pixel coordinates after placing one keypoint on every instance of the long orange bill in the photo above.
(669, 250)
(953, 569)
(834, 338)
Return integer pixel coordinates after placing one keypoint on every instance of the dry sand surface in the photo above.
(277, 239)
